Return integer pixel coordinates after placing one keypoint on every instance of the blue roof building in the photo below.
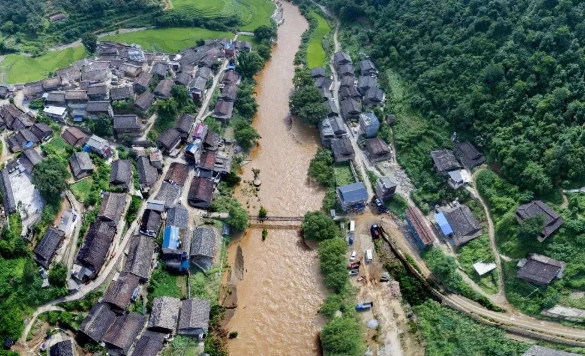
(443, 224)
(369, 124)
(176, 247)
(352, 197)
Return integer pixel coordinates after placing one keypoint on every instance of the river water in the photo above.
(281, 290)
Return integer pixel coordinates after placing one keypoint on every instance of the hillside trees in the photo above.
(509, 78)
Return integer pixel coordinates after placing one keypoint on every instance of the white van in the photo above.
(351, 226)
(368, 256)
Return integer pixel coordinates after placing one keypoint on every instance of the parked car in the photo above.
(354, 272)
(380, 207)
(385, 277)
(354, 265)
(353, 256)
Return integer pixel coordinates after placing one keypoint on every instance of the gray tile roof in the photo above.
(318, 72)
(178, 216)
(177, 173)
(121, 173)
(81, 164)
(7, 193)
(541, 270)
(147, 174)
(468, 154)
(204, 242)
(169, 138)
(145, 100)
(112, 207)
(149, 344)
(184, 123)
(465, 226)
(169, 193)
(139, 259)
(194, 317)
(536, 350)
(552, 220)
(445, 161)
(94, 251)
(97, 322)
(121, 93)
(119, 292)
(63, 348)
(127, 122)
(163, 89)
(46, 248)
(165, 314)
(99, 107)
(122, 334)
(151, 222)
(342, 149)
(74, 136)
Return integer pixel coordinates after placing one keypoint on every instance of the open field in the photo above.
(170, 40)
(315, 51)
(251, 13)
(82, 189)
(18, 69)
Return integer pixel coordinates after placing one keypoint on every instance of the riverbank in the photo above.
(279, 290)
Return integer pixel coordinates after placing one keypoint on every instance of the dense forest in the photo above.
(507, 74)
(30, 20)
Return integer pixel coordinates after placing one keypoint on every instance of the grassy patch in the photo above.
(207, 285)
(253, 40)
(316, 56)
(20, 69)
(163, 284)
(397, 205)
(82, 189)
(343, 175)
(181, 346)
(59, 147)
(447, 332)
(478, 250)
(169, 40)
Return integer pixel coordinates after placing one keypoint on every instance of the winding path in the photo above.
(500, 297)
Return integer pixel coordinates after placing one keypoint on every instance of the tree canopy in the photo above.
(319, 227)
(50, 178)
(249, 64)
(508, 76)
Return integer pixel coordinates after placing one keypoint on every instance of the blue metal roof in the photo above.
(373, 118)
(171, 238)
(443, 224)
(353, 193)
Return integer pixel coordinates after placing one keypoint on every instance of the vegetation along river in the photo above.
(279, 292)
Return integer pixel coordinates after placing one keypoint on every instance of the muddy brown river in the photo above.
(281, 290)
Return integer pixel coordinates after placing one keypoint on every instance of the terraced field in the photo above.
(251, 13)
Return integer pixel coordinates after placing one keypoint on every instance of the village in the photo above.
(154, 211)
(350, 131)
(173, 180)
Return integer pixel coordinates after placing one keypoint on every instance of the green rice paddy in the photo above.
(316, 56)
(170, 40)
(16, 68)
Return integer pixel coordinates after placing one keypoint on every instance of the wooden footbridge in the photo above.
(276, 222)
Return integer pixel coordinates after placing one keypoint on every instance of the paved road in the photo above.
(39, 311)
(78, 208)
